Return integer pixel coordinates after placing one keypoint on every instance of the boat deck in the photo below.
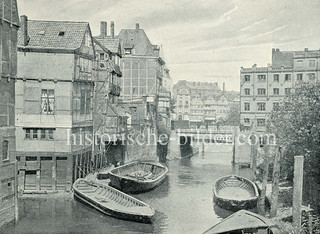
(112, 199)
(235, 189)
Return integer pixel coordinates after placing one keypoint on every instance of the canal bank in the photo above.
(183, 203)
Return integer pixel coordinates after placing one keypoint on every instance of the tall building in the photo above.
(110, 118)
(142, 65)
(54, 92)
(263, 88)
(8, 68)
(201, 102)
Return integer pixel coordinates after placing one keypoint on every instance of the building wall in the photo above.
(139, 77)
(307, 68)
(8, 71)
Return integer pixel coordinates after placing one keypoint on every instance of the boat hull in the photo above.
(235, 193)
(120, 215)
(235, 205)
(133, 185)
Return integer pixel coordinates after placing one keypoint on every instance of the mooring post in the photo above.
(275, 183)
(297, 192)
(265, 172)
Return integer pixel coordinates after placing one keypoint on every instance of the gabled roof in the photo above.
(138, 40)
(111, 43)
(197, 85)
(55, 34)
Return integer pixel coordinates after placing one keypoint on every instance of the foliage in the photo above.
(296, 125)
(233, 115)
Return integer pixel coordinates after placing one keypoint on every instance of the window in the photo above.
(88, 102)
(287, 77)
(101, 56)
(41, 133)
(312, 63)
(47, 101)
(35, 133)
(247, 106)
(261, 122)
(247, 91)
(28, 133)
(276, 77)
(261, 91)
(61, 33)
(247, 78)
(287, 91)
(276, 91)
(5, 150)
(262, 78)
(246, 120)
(127, 51)
(311, 76)
(261, 106)
(276, 106)
(299, 77)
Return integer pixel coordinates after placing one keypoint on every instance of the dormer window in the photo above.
(101, 56)
(61, 33)
(127, 51)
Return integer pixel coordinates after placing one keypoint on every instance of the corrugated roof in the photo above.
(111, 43)
(55, 34)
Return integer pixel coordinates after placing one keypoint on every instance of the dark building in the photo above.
(8, 52)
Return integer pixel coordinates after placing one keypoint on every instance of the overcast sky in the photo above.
(203, 40)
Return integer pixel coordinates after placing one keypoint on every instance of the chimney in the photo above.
(24, 29)
(112, 29)
(306, 49)
(103, 28)
(137, 26)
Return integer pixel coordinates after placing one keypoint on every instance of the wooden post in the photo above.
(297, 192)
(275, 183)
(254, 151)
(54, 172)
(261, 202)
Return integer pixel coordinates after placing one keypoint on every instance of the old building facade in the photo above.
(8, 68)
(263, 88)
(143, 67)
(110, 118)
(54, 92)
(201, 102)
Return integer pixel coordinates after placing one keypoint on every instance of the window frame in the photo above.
(276, 93)
(47, 98)
(247, 104)
(245, 91)
(262, 105)
(5, 150)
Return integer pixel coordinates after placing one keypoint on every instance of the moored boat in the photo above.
(244, 221)
(137, 177)
(235, 193)
(111, 201)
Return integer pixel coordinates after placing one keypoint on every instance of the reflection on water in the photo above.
(183, 203)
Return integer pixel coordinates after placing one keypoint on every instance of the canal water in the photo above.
(183, 202)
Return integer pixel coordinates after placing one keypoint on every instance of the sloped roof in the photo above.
(197, 85)
(137, 39)
(117, 110)
(45, 34)
(111, 43)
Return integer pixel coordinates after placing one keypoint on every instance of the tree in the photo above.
(296, 124)
(233, 115)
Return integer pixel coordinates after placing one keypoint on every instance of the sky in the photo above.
(202, 40)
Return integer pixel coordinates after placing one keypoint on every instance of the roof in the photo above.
(117, 110)
(111, 43)
(138, 40)
(242, 219)
(45, 34)
(197, 85)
